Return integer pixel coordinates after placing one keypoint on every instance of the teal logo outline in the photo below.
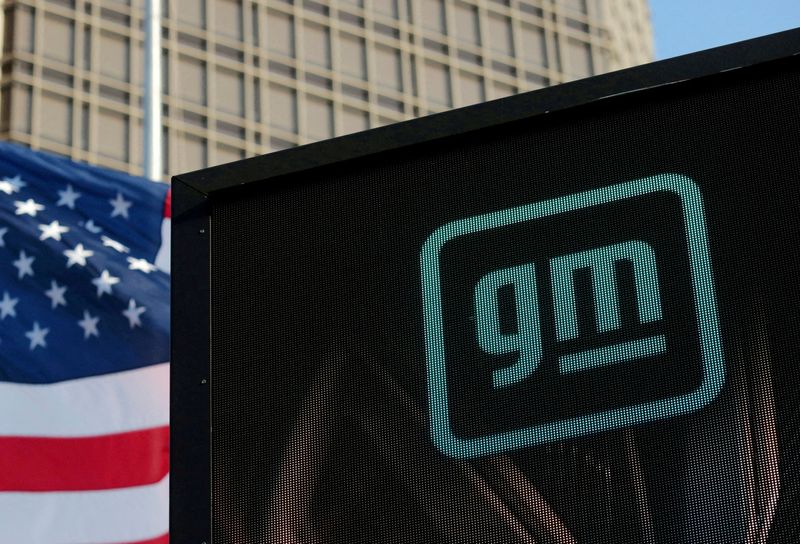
(705, 313)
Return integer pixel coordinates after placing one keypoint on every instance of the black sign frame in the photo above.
(194, 193)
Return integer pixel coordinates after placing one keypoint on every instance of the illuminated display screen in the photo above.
(579, 327)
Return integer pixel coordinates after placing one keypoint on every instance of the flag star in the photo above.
(29, 207)
(11, 185)
(91, 227)
(89, 325)
(113, 244)
(3, 232)
(67, 197)
(78, 255)
(24, 265)
(7, 306)
(54, 230)
(104, 283)
(36, 336)
(56, 294)
(133, 313)
(140, 264)
(120, 206)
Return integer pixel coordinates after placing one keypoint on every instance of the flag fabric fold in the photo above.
(84, 350)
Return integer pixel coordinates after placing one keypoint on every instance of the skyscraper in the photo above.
(245, 77)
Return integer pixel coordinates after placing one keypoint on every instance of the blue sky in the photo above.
(684, 26)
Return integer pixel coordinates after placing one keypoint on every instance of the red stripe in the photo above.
(168, 204)
(163, 539)
(83, 464)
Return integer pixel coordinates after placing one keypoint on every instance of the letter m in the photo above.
(600, 261)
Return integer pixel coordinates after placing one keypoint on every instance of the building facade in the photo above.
(246, 77)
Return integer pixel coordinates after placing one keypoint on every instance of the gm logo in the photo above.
(568, 317)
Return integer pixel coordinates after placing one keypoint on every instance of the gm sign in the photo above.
(576, 315)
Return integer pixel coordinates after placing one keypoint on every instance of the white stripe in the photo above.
(114, 403)
(87, 517)
(164, 252)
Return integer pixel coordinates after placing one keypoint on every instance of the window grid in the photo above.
(237, 58)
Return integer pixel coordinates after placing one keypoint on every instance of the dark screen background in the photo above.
(319, 403)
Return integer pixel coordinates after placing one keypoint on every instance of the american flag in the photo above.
(84, 351)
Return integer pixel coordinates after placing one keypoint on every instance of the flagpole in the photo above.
(153, 166)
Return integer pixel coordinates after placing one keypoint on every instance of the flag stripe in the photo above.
(168, 204)
(89, 517)
(114, 403)
(163, 539)
(163, 257)
(102, 462)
